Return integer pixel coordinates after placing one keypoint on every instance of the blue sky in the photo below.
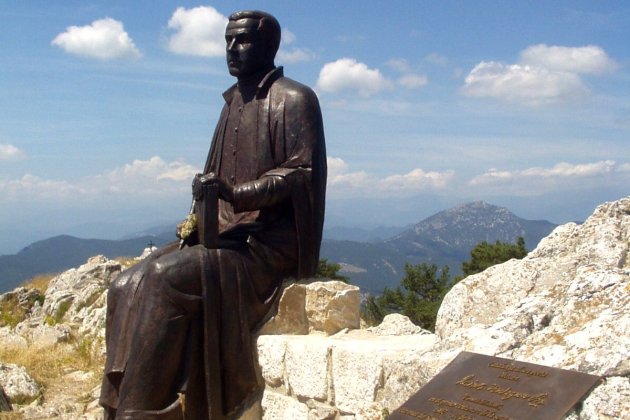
(107, 108)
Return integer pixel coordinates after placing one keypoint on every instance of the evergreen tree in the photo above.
(422, 289)
(485, 255)
(418, 297)
(326, 270)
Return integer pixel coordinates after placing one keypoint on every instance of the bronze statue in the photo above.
(181, 321)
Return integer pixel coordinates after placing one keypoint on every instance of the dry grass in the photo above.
(48, 364)
(40, 282)
(11, 415)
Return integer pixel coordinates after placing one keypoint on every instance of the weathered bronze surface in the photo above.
(181, 321)
(475, 386)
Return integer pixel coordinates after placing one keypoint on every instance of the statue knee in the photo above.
(180, 272)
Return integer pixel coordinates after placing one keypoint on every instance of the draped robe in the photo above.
(271, 231)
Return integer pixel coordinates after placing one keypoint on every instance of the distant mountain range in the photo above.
(62, 252)
(372, 259)
(445, 238)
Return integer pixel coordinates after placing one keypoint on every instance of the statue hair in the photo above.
(268, 25)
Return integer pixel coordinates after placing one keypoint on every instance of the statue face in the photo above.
(245, 49)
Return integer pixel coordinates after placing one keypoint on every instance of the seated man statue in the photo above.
(180, 323)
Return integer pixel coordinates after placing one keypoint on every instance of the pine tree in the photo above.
(485, 255)
(418, 297)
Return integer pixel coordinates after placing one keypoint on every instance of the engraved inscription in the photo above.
(463, 407)
(480, 387)
(509, 367)
(417, 414)
(506, 393)
(508, 376)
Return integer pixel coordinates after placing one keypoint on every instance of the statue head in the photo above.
(252, 41)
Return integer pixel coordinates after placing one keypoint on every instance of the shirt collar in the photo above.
(261, 89)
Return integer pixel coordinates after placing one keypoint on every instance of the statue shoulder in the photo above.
(289, 89)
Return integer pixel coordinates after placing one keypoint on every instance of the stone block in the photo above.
(280, 407)
(332, 306)
(291, 315)
(306, 364)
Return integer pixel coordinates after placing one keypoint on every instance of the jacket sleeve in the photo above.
(263, 192)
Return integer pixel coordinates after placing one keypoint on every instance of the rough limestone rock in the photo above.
(332, 306)
(11, 339)
(321, 306)
(17, 384)
(397, 324)
(291, 316)
(566, 305)
(77, 295)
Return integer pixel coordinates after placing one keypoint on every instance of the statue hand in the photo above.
(225, 190)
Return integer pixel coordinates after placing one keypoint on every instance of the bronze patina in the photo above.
(479, 387)
(181, 321)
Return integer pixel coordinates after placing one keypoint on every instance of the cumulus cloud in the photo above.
(350, 75)
(104, 39)
(523, 84)
(409, 79)
(153, 177)
(35, 188)
(342, 181)
(199, 31)
(590, 59)
(537, 179)
(544, 75)
(10, 152)
(146, 176)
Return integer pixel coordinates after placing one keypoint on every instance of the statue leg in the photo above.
(169, 301)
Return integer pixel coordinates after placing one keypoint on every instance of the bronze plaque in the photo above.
(475, 386)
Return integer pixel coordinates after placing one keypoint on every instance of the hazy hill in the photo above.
(445, 238)
(60, 253)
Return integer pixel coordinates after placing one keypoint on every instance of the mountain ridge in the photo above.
(444, 238)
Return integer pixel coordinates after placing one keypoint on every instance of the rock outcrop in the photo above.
(567, 305)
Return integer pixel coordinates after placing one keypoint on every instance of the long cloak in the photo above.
(240, 286)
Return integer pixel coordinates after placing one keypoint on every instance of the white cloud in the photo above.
(538, 176)
(529, 85)
(288, 37)
(543, 75)
(409, 79)
(198, 31)
(104, 39)
(142, 178)
(590, 59)
(296, 55)
(413, 81)
(342, 181)
(31, 187)
(10, 152)
(146, 176)
(350, 75)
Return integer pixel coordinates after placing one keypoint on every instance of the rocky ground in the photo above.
(567, 305)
